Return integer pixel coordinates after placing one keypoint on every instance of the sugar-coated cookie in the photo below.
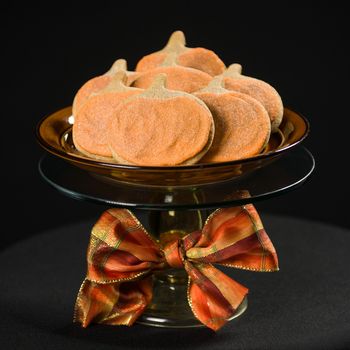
(160, 127)
(198, 58)
(98, 83)
(242, 124)
(258, 89)
(91, 121)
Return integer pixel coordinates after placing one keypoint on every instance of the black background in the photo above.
(49, 51)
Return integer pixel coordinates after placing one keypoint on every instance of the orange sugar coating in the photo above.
(202, 59)
(91, 86)
(92, 122)
(242, 126)
(159, 132)
(178, 78)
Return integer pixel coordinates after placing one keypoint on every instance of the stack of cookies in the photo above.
(180, 106)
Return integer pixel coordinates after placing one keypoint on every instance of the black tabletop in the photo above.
(305, 305)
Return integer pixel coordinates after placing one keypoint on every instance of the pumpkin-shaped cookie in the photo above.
(258, 89)
(178, 77)
(98, 83)
(160, 127)
(242, 125)
(198, 58)
(92, 120)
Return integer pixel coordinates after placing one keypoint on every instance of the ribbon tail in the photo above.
(119, 303)
(213, 296)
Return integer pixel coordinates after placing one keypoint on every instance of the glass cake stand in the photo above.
(177, 209)
(174, 199)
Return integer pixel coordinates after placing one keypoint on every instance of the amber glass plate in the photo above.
(54, 134)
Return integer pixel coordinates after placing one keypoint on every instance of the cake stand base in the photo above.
(169, 306)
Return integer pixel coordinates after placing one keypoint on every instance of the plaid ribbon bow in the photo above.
(122, 256)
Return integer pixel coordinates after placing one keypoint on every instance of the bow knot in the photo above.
(174, 253)
(122, 255)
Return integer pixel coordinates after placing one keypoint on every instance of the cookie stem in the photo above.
(233, 69)
(176, 42)
(170, 59)
(118, 65)
(117, 82)
(216, 85)
(216, 82)
(159, 82)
